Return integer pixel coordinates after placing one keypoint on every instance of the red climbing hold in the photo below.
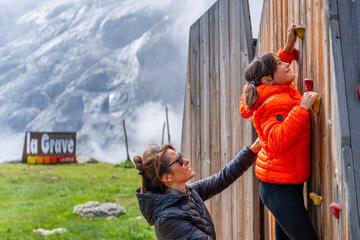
(308, 83)
(335, 209)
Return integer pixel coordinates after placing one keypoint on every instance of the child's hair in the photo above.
(152, 166)
(264, 65)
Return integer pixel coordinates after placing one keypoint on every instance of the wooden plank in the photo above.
(339, 116)
(349, 17)
(320, 182)
(195, 98)
(234, 81)
(271, 28)
(280, 19)
(216, 211)
(244, 48)
(353, 231)
(186, 140)
(335, 75)
(246, 32)
(205, 99)
(249, 183)
(225, 111)
(285, 17)
(204, 95)
(264, 40)
(344, 131)
(329, 185)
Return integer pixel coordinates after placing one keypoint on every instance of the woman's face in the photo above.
(283, 74)
(180, 173)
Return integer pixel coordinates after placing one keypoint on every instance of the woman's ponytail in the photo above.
(138, 161)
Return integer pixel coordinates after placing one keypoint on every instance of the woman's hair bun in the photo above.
(138, 163)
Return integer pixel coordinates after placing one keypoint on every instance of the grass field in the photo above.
(44, 196)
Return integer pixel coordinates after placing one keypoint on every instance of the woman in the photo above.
(177, 210)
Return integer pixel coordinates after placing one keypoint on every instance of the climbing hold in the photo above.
(316, 105)
(316, 198)
(358, 92)
(335, 209)
(299, 31)
(308, 83)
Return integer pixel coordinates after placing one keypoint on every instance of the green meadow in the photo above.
(44, 196)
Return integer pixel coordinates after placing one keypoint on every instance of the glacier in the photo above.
(84, 66)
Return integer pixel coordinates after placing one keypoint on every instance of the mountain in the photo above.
(85, 66)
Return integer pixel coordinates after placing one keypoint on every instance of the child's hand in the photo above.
(291, 39)
(308, 99)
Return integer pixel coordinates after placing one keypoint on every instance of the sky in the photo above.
(255, 14)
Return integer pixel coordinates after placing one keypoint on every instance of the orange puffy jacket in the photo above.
(285, 133)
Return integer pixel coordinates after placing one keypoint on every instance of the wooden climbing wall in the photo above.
(329, 55)
(220, 46)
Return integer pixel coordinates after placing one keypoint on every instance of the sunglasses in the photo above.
(178, 159)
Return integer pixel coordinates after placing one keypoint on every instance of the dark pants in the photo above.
(286, 203)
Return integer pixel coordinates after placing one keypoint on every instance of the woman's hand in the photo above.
(255, 147)
(291, 39)
(308, 99)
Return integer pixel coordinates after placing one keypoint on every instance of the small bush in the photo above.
(126, 164)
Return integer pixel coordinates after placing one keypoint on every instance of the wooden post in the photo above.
(126, 141)
(167, 121)
(162, 138)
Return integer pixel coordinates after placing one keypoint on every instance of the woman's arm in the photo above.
(210, 186)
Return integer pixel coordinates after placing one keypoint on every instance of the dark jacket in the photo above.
(178, 215)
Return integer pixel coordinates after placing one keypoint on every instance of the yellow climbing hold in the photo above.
(299, 31)
(316, 105)
(316, 198)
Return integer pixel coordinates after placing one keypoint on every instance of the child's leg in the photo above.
(279, 232)
(286, 203)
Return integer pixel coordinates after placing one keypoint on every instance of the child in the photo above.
(281, 119)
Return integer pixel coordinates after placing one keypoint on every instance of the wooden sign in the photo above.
(42, 145)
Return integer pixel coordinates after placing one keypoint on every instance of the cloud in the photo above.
(147, 126)
(184, 14)
(11, 146)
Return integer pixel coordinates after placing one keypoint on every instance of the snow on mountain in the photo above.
(85, 65)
